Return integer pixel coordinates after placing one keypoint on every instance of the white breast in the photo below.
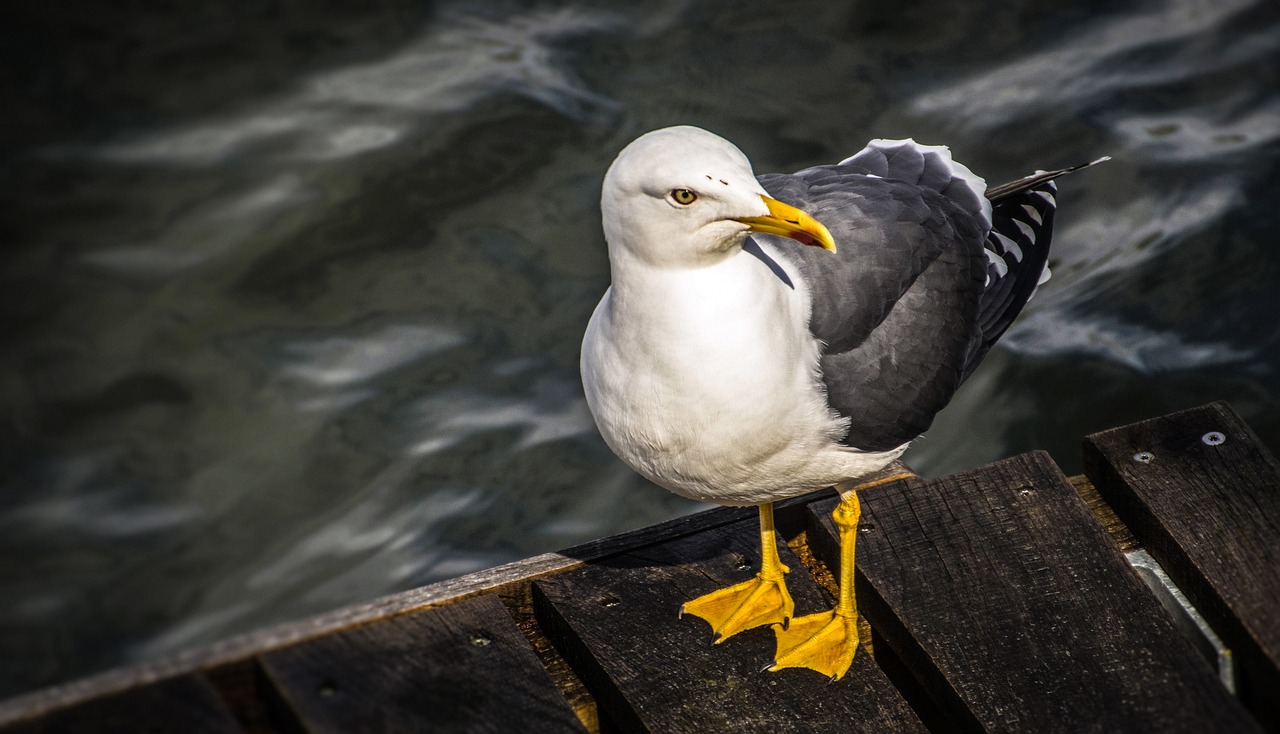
(704, 380)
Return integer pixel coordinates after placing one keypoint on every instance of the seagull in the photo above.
(765, 337)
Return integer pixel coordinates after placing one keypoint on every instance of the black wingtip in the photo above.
(1004, 191)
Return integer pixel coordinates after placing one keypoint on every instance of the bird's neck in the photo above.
(646, 279)
(730, 293)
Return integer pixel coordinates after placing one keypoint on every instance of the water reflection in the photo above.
(1161, 45)
(460, 61)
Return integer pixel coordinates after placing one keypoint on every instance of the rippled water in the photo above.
(292, 301)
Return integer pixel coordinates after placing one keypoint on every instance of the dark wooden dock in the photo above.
(1007, 598)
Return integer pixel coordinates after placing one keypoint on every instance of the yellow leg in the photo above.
(826, 641)
(758, 601)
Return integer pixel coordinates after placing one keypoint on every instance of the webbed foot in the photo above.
(825, 642)
(755, 602)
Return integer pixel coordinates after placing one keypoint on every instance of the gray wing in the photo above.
(898, 306)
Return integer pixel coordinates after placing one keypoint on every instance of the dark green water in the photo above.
(293, 298)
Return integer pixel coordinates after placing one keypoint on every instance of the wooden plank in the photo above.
(463, 667)
(183, 704)
(616, 622)
(1203, 495)
(1013, 608)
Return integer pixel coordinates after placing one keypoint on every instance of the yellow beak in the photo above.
(788, 221)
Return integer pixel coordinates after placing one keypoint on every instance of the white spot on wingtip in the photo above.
(1002, 267)
(1033, 213)
(1010, 247)
(1047, 197)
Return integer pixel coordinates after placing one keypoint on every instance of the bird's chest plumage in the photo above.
(696, 391)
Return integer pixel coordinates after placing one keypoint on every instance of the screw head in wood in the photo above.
(1143, 457)
(1213, 438)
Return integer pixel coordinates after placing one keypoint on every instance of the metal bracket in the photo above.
(1185, 616)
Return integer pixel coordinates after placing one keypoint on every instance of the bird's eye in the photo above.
(683, 197)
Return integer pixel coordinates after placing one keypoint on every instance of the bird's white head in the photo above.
(682, 195)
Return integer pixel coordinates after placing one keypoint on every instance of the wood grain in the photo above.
(185, 704)
(464, 667)
(1203, 496)
(1007, 600)
(616, 620)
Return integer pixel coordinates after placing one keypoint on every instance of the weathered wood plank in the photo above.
(183, 704)
(616, 620)
(1203, 495)
(1007, 600)
(463, 667)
